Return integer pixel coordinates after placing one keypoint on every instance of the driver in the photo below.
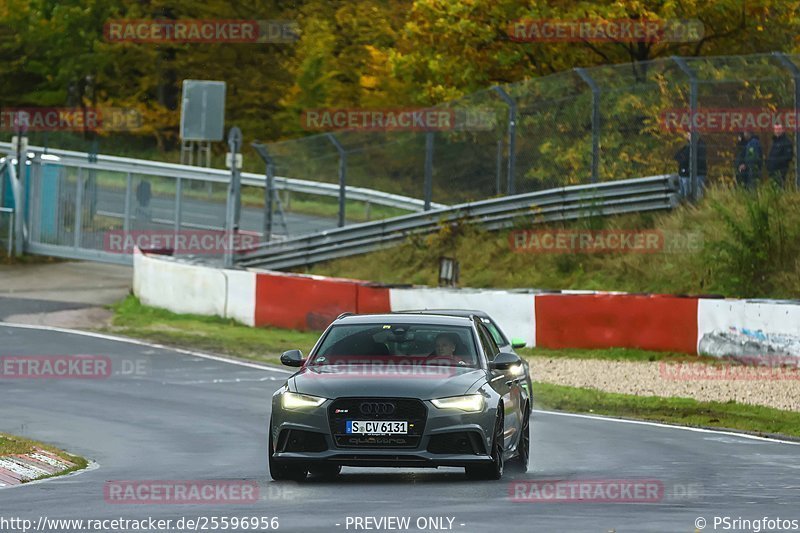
(445, 345)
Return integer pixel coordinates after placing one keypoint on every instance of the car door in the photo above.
(507, 386)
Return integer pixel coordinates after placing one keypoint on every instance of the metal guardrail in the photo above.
(173, 170)
(566, 203)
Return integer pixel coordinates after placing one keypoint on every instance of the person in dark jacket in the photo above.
(143, 194)
(738, 158)
(780, 155)
(753, 161)
(683, 158)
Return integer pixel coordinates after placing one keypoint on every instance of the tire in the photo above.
(325, 471)
(494, 470)
(521, 461)
(281, 471)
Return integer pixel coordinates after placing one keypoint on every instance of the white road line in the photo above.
(668, 426)
(149, 344)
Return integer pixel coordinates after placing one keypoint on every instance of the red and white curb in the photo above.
(22, 468)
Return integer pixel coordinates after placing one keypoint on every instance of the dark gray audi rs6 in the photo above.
(401, 390)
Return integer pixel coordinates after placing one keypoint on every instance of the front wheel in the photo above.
(493, 470)
(522, 460)
(281, 471)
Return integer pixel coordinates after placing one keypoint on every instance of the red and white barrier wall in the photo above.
(569, 319)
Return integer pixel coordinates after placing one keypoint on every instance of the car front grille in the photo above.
(396, 409)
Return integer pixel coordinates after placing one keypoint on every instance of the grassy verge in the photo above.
(10, 444)
(681, 411)
(206, 333)
(615, 354)
(733, 243)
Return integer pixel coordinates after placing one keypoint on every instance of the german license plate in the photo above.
(377, 427)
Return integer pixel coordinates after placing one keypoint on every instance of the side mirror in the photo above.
(504, 361)
(518, 343)
(292, 358)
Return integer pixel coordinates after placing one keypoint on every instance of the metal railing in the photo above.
(564, 203)
(74, 204)
(174, 170)
(8, 214)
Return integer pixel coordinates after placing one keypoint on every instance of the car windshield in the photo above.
(433, 345)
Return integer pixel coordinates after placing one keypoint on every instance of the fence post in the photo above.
(342, 176)
(595, 121)
(231, 222)
(78, 209)
(693, 184)
(3, 183)
(269, 189)
(498, 166)
(19, 199)
(178, 205)
(126, 222)
(789, 64)
(512, 137)
(428, 169)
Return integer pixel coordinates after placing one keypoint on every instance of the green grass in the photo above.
(614, 354)
(11, 445)
(213, 334)
(681, 411)
(747, 246)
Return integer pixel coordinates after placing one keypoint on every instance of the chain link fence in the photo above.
(597, 124)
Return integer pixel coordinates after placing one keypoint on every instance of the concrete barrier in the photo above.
(179, 287)
(570, 319)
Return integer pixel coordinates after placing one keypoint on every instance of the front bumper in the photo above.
(449, 438)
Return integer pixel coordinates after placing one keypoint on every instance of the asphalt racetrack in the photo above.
(165, 415)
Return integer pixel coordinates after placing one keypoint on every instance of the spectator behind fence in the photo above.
(143, 194)
(683, 157)
(780, 155)
(738, 158)
(752, 161)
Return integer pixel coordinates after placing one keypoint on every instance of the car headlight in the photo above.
(292, 400)
(471, 402)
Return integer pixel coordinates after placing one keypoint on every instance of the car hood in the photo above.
(439, 382)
